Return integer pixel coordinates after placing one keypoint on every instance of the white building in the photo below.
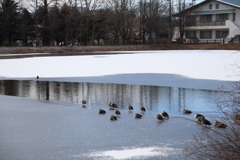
(213, 20)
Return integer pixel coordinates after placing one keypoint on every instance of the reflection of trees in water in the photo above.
(151, 97)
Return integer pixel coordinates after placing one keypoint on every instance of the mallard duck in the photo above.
(204, 121)
(197, 115)
(83, 101)
(186, 111)
(159, 117)
(111, 104)
(219, 124)
(137, 115)
(165, 114)
(130, 107)
(113, 118)
(117, 112)
(236, 116)
(101, 111)
(143, 109)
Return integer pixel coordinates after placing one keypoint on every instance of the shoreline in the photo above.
(40, 51)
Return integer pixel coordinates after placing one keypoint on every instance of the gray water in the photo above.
(46, 120)
(155, 98)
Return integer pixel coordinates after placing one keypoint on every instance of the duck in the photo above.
(111, 104)
(236, 116)
(219, 124)
(113, 118)
(117, 112)
(197, 115)
(143, 109)
(130, 107)
(165, 114)
(137, 115)
(205, 121)
(186, 111)
(37, 77)
(101, 111)
(159, 117)
(83, 101)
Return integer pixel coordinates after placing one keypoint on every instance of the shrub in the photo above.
(220, 143)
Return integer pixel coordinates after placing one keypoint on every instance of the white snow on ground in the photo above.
(197, 64)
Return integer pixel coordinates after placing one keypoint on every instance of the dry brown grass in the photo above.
(89, 50)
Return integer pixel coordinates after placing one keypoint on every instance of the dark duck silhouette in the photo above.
(204, 121)
(101, 111)
(186, 111)
(117, 112)
(219, 124)
(143, 109)
(37, 77)
(165, 114)
(137, 115)
(197, 115)
(159, 117)
(113, 118)
(130, 107)
(83, 101)
(236, 116)
(112, 105)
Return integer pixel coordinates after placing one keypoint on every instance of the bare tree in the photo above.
(220, 143)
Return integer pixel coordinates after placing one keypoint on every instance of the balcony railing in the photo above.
(206, 23)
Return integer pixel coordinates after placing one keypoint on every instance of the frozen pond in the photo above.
(43, 119)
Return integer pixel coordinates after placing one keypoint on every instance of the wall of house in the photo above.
(221, 7)
(231, 25)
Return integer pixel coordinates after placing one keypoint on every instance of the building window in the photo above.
(210, 6)
(222, 34)
(190, 34)
(217, 6)
(222, 17)
(206, 34)
(234, 16)
(207, 17)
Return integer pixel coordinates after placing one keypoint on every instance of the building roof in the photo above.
(234, 3)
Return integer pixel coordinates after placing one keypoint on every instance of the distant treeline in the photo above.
(52, 22)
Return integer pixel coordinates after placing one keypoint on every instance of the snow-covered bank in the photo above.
(186, 68)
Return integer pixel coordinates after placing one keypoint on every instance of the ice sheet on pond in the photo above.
(197, 64)
(39, 129)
